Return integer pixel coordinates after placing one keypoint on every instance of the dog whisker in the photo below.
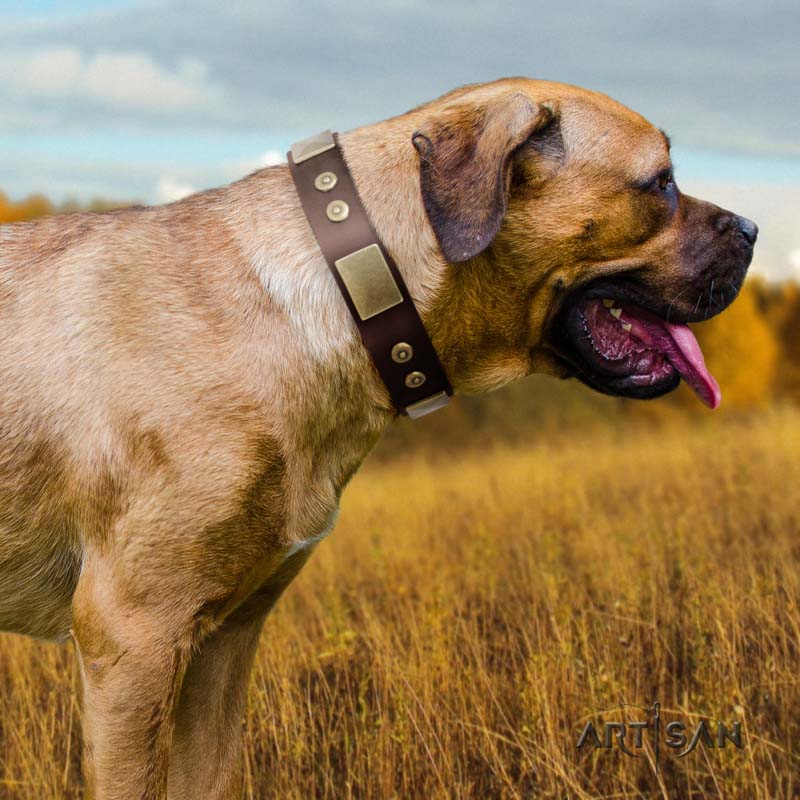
(674, 300)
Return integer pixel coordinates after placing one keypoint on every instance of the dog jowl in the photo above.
(184, 394)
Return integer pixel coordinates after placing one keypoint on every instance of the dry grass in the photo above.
(467, 616)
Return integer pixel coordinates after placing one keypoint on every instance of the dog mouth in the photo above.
(622, 347)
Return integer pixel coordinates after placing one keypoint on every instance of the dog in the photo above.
(184, 396)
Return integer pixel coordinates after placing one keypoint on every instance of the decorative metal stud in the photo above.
(337, 211)
(325, 181)
(415, 379)
(402, 352)
(427, 404)
(313, 146)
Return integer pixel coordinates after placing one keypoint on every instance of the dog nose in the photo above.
(748, 229)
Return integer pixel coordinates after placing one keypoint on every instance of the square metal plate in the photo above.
(313, 146)
(369, 281)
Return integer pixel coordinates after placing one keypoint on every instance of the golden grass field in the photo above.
(472, 611)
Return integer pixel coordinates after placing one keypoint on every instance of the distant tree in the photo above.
(780, 306)
(36, 205)
(742, 350)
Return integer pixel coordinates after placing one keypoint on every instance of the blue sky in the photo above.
(56, 7)
(149, 99)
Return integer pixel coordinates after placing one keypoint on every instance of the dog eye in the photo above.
(665, 181)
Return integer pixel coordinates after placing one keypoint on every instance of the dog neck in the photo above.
(384, 166)
(323, 397)
(323, 388)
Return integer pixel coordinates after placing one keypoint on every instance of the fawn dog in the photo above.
(183, 392)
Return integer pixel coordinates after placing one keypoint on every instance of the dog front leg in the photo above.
(206, 760)
(132, 663)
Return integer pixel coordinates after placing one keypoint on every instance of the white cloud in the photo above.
(237, 168)
(278, 73)
(184, 181)
(270, 159)
(63, 177)
(169, 190)
(128, 80)
(794, 263)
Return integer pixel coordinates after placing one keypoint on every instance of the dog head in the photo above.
(570, 248)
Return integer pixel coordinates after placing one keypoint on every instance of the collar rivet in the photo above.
(337, 211)
(325, 181)
(415, 379)
(402, 352)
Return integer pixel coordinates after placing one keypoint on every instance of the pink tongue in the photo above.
(692, 365)
(679, 345)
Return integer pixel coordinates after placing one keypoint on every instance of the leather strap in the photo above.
(368, 278)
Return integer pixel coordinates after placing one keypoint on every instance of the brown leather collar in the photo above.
(368, 278)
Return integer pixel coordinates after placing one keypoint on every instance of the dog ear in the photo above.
(465, 169)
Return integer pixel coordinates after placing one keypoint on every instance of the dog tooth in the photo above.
(615, 312)
(626, 326)
(608, 303)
